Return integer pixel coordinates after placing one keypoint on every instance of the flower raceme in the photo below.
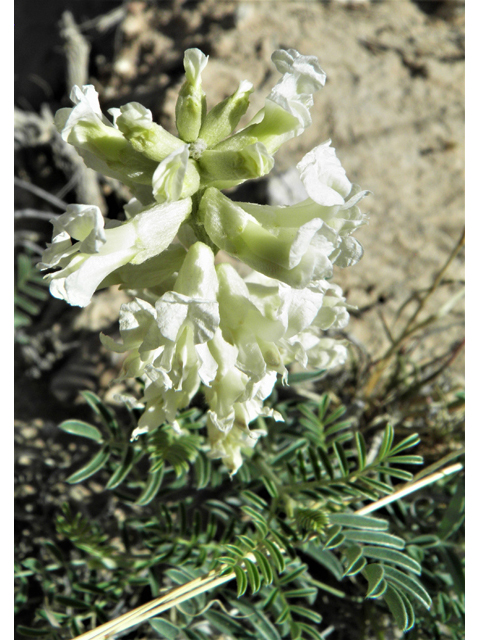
(194, 322)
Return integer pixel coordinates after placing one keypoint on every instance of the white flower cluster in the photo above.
(194, 321)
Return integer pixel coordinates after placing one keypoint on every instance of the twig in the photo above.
(411, 327)
(34, 213)
(410, 488)
(41, 193)
(77, 50)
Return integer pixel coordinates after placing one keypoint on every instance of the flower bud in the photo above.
(145, 136)
(175, 177)
(191, 104)
(225, 169)
(221, 121)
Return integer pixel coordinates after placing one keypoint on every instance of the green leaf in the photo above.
(226, 624)
(326, 558)
(310, 631)
(335, 541)
(361, 450)
(257, 501)
(270, 487)
(292, 575)
(203, 471)
(315, 463)
(410, 584)
(83, 429)
(336, 428)
(374, 537)
(356, 567)
(234, 550)
(338, 413)
(253, 575)
(401, 474)
(306, 613)
(288, 451)
(341, 457)
(33, 633)
(195, 634)
(242, 581)
(20, 320)
(311, 519)
(301, 592)
(107, 416)
(307, 376)
(334, 537)
(153, 485)
(326, 462)
(95, 464)
(284, 615)
(387, 442)
(258, 520)
(395, 557)
(122, 471)
(248, 542)
(405, 459)
(397, 607)
(26, 304)
(454, 515)
(358, 521)
(264, 629)
(228, 560)
(377, 485)
(409, 609)
(352, 556)
(275, 554)
(72, 602)
(376, 584)
(271, 598)
(406, 443)
(165, 628)
(264, 566)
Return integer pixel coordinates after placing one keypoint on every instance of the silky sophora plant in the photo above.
(194, 321)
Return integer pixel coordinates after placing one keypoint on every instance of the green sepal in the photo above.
(221, 121)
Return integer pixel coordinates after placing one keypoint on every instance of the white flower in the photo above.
(323, 176)
(235, 401)
(287, 107)
(99, 252)
(244, 325)
(175, 177)
(194, 62)
(168, 341)
(101, 145)
(295, 244)
(302, 76)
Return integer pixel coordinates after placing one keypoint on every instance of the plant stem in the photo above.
(411, 327)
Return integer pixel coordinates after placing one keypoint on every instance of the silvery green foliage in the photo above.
(194, 320)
